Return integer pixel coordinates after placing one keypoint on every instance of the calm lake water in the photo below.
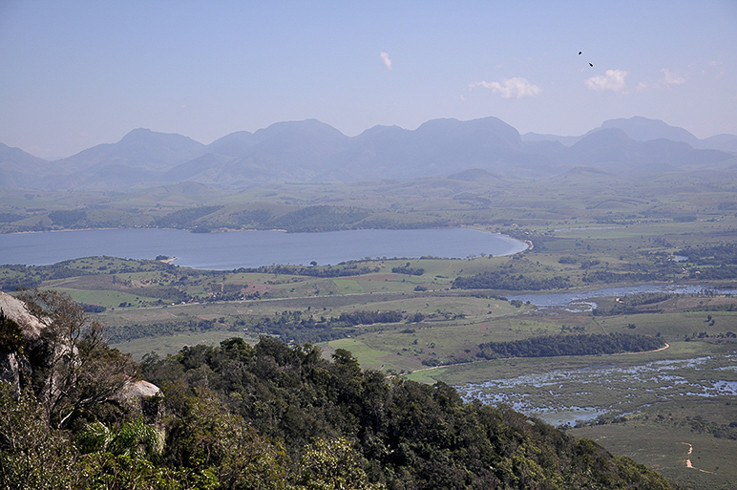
(227, 251)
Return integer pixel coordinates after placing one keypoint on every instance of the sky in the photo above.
(75, 74)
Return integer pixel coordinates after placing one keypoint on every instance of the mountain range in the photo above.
(311, 151)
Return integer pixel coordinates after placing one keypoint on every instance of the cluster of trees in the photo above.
(720, 431)
(271, 416)
(408, 269)
(609, 277)
(370, 317)
(511, 282)
(570, 345)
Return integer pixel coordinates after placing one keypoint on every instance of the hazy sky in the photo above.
(74, 74)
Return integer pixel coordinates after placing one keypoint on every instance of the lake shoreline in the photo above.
(254, 248)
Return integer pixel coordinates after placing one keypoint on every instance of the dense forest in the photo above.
(511, 282)
(263, 416)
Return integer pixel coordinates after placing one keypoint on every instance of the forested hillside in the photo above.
(265, 416)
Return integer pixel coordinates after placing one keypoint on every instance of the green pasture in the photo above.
(369, 358)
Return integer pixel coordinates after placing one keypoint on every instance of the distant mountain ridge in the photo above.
(312, 151)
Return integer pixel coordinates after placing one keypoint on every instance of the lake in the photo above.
(231, 250)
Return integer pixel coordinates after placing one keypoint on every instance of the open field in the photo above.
(665, 448)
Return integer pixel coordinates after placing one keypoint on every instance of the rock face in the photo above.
(15, 367)
(12, 368)
(16, 310)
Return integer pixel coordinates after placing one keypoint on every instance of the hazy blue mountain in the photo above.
(19, 169)
(295, 150)
(302, 147)
(614, 150)
(643, 129)
(312, 151)
(234, 144)
(141, 149)
(372, 153)
(437, 148)
(722, 142)
(111, 176)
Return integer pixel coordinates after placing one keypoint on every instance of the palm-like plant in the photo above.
(134, 439)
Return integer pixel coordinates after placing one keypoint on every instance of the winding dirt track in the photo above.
(688, 459)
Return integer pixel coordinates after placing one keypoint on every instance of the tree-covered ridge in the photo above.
(570, 345)
(402, 434)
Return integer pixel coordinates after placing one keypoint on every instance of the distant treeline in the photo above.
(716, 255)
(512, 282)
(287, 325)
(300, 327)
(132, 331)
(570, 345)
(341, 270)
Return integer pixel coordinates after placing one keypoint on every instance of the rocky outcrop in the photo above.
(142, 397)
(21, 329)
(17, 326)
(17, 311)
(13, 368)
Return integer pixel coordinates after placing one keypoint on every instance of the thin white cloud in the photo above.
(612, 80)
(386, 60)
(670, 78)
(510, 88)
